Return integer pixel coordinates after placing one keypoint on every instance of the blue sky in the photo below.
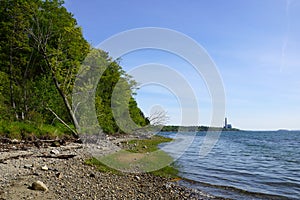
(255, 45)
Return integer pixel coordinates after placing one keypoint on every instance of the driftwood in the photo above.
(67, 156)
(7, 144)
(14, 141)
(38, 141)
(10, 141)
(15, 157)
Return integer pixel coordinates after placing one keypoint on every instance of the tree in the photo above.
(15, 52)
(56, 37)
(158, 118)
(115, 105)
(4, 109)
(41, 51)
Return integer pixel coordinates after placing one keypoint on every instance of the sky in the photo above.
(254, 44)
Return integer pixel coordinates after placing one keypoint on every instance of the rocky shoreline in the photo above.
(65, 176)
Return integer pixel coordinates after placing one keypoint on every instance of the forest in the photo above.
(41, 50)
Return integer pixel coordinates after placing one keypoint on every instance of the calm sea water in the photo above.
(245, 165)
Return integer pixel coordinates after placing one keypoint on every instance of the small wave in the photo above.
(285, 184)
(246, 165)
(229, 191)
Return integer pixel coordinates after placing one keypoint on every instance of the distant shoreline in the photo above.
(174, 128)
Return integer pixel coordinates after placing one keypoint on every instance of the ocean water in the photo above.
(244, 165)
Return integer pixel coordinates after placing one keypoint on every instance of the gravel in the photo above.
(72, 179)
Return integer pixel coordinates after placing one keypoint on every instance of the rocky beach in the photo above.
(60, 172)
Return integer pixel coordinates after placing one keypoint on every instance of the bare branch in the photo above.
(62, 121)
(159, 117)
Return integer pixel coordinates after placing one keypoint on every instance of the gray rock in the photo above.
(14, 141)
(39, 185)
(27, 166)
(45, 168)
(137, 178)
(59, 175)
(54, 151)
(36, 174)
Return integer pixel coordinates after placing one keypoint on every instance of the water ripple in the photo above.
(247, 165)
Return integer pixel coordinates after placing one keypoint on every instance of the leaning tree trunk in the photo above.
(65, 99)
(68, 106)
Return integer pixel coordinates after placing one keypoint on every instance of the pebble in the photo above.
(27, 166)
(14, 141)
(54, 151)
(45, 168)
(73, 178)
(59, 175)
(137, 178)
(39, 185)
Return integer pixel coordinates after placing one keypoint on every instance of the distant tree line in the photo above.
(41, 51)
(172, 128)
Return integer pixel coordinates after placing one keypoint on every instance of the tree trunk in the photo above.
(67, 104)
(64, 97)
(12, 98)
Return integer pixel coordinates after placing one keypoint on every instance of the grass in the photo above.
(143, 155)
(146, 145)
(30, 131)
(169, 171)
(101, 167)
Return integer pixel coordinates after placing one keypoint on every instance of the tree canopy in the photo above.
(41, 50)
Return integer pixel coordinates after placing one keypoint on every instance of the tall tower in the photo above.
(225, 122)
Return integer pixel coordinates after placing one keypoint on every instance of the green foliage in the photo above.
(101, 167)
(15, 52)
(136, 114)
(114, 93)
(41, 51)
(169, 171)
(48, 97)
(4, 109)
(30, 131)
(146, 145)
